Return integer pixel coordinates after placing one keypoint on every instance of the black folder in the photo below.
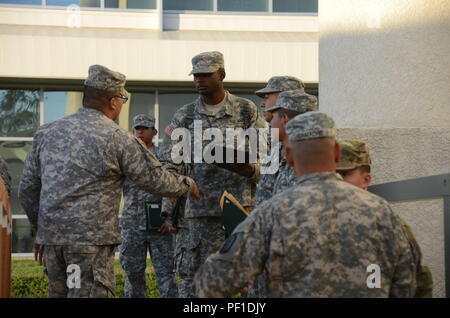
(233, 213)
(153, 215)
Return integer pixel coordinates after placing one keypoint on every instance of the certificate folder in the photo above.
(233, 213)
(153, 215)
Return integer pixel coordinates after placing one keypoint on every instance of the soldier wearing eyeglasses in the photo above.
(71, 188)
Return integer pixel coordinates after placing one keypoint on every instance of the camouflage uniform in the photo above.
(316, 239)
(278, 84)
(71, 188)
(136, 241)
(271, 184)
(355, 154)
(5, 174)
(202, 218)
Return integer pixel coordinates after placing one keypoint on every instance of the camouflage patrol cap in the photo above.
(207, 62)
(278, 84)
(144, 120)
(297, 100)
(311, 125)
(354, 154)
(102, 78)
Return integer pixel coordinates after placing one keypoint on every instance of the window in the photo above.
(22, 240)
(169, 103)
(140, 103)
(81, 3)
(26, 2)
(141, 4)
(111, 3)
(207, 5)
(19, 113)
(243, 5)
(15, 153)
(295, 6)
(60, 104)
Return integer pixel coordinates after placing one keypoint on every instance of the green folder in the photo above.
(232, 213)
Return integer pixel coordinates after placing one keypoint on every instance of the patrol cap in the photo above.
(297, 100)
(102, 78)
(207, 62)
(144, 120)
(354, 154)
(311, 125)
(278, 84)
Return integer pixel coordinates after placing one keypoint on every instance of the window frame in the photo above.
(160, 3)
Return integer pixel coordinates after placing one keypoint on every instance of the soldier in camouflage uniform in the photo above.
(214, 108)
(274, 87)
(289, 104)
(5, 175)
(354, 166)
(317, 238)
(72, 183)
(136, 241)
(269, 94)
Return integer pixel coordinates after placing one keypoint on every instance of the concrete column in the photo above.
(384, 73)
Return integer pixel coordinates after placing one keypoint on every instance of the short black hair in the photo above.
(96, 98)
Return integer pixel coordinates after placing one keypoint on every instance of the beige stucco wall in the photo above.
(394, 68)
(384, 76)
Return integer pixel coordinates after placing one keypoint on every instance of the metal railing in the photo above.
(437, 186)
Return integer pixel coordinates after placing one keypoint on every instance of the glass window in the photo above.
(141, 4)
(15, 153)
(22, 241)
(141, 103)
(81, 3)
(60, 104)
(112, 4)
(19, 113)
(188, 5)
(243, 5)
(169, 103)
(35, 2)
(295, 6)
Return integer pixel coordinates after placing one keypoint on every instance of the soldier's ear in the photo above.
(367, 179)
(223, 74)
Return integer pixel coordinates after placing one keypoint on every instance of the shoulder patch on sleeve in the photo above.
(169, 130)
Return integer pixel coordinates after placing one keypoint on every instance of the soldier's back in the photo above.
(325, 235)
(81, 179)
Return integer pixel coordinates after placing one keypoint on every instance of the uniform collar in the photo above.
(228, 108)
(319, 176)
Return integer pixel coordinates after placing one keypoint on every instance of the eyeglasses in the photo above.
(124, 99)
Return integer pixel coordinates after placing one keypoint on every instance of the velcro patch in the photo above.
(169, 130)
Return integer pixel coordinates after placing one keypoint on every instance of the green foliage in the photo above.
(29, 281)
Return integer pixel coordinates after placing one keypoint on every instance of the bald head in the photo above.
(312, 156)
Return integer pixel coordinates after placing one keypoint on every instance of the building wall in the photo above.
(384, 77)
(38, 43)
